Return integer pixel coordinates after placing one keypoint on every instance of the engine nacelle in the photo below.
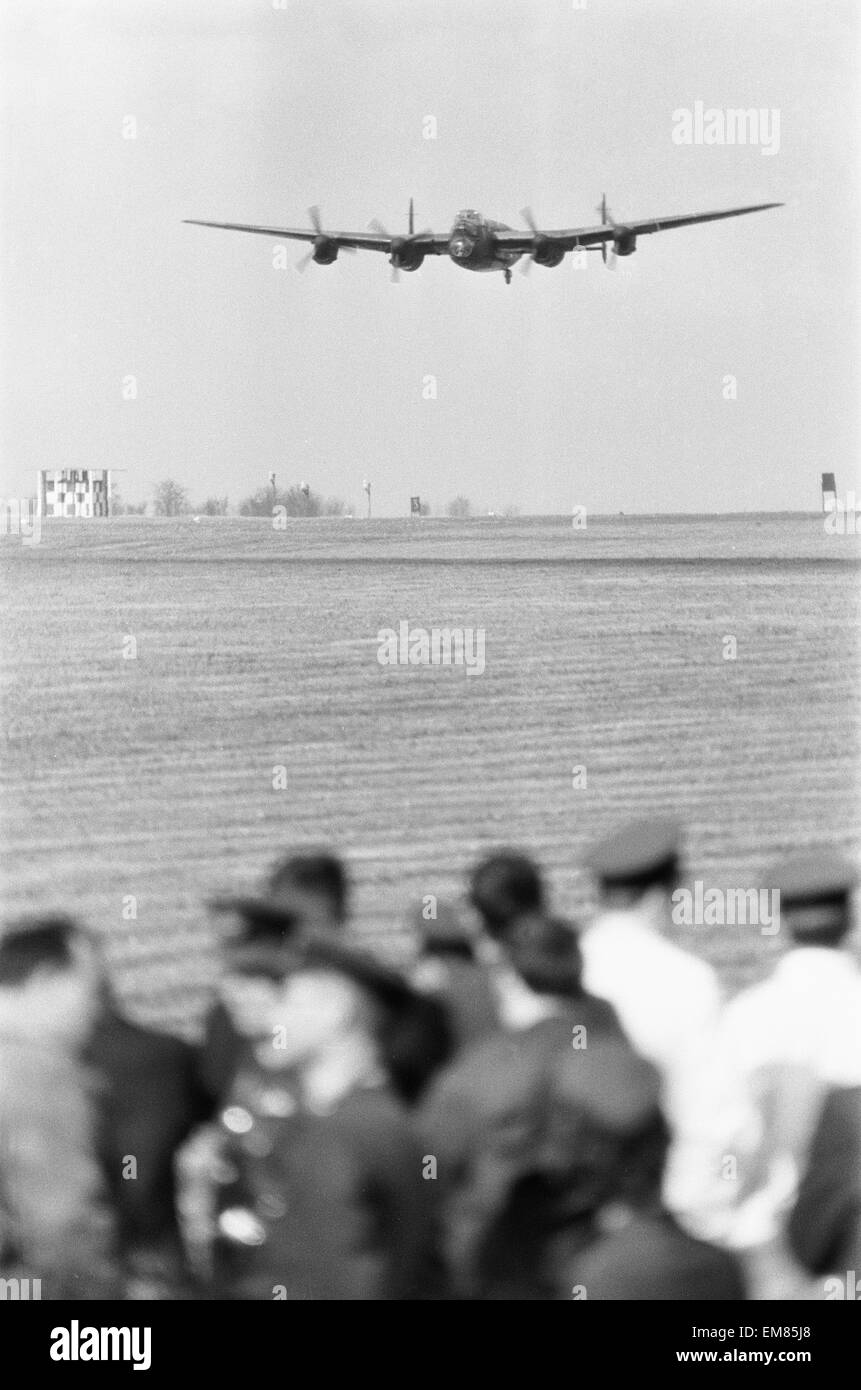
(404, 254)
(325, 250)
(547, 252)
(625, 243)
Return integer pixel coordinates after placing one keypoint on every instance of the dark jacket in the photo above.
(464, 987)
(825, 1226)
(649, 1257)
(150, 1101)
(336, 1204)
(220, 1052)
(515, 1124)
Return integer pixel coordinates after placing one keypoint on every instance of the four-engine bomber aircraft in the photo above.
(477, 243)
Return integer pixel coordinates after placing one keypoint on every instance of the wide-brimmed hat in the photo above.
(272, 914)
(385, 984)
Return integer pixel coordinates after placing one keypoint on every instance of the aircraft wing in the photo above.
(359, 241)
(571, 237)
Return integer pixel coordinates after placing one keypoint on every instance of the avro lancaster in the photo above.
(478, 243)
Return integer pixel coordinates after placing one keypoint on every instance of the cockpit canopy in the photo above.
(468, 220)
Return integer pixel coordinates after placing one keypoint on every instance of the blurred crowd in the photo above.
(534, 1109)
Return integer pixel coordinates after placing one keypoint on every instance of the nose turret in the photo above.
(460, 247)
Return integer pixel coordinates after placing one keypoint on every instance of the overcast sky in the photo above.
(569, 387)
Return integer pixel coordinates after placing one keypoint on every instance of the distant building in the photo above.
(74, 492)
(829, 492)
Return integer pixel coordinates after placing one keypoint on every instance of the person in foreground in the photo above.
(323, 1189)
(56, 1220)
(668, 1000)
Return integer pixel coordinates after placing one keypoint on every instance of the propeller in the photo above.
(607, 220)
(527, 216)
(397, 244)
(546, 249)
(375, 225)
(317, 227)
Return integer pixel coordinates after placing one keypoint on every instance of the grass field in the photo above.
(144, 769)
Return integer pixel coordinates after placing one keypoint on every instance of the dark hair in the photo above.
(31, 944)
(832, 936)
(415, 1040)
(314, 871)
(546, 954)
(448, 950)
(504, 886)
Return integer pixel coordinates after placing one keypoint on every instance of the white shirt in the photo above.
(781, 1045)
(668, 1002)
(808, 1014)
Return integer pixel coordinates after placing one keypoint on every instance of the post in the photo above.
(367, 487)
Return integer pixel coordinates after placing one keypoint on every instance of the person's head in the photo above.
(504, 887)
(260, 947)
(640, 859)
(344, 1006)
(616, 1127)
(815, 896)
(306, 895)
(51, 976)
(439, 931)
(545, 953)
(317, 1009)
(312, 887)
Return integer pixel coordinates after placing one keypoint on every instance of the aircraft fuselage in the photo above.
(472, 245)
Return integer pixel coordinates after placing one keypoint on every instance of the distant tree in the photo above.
(170, 499)
(296, 501)
(459, 507)
(511, 510)
(424, 509)
(213, 506)
(260, 503)
(301, 501)
(135, 508)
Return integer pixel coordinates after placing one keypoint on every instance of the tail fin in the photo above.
(606, 221)
(411, 219)
(606, 215)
